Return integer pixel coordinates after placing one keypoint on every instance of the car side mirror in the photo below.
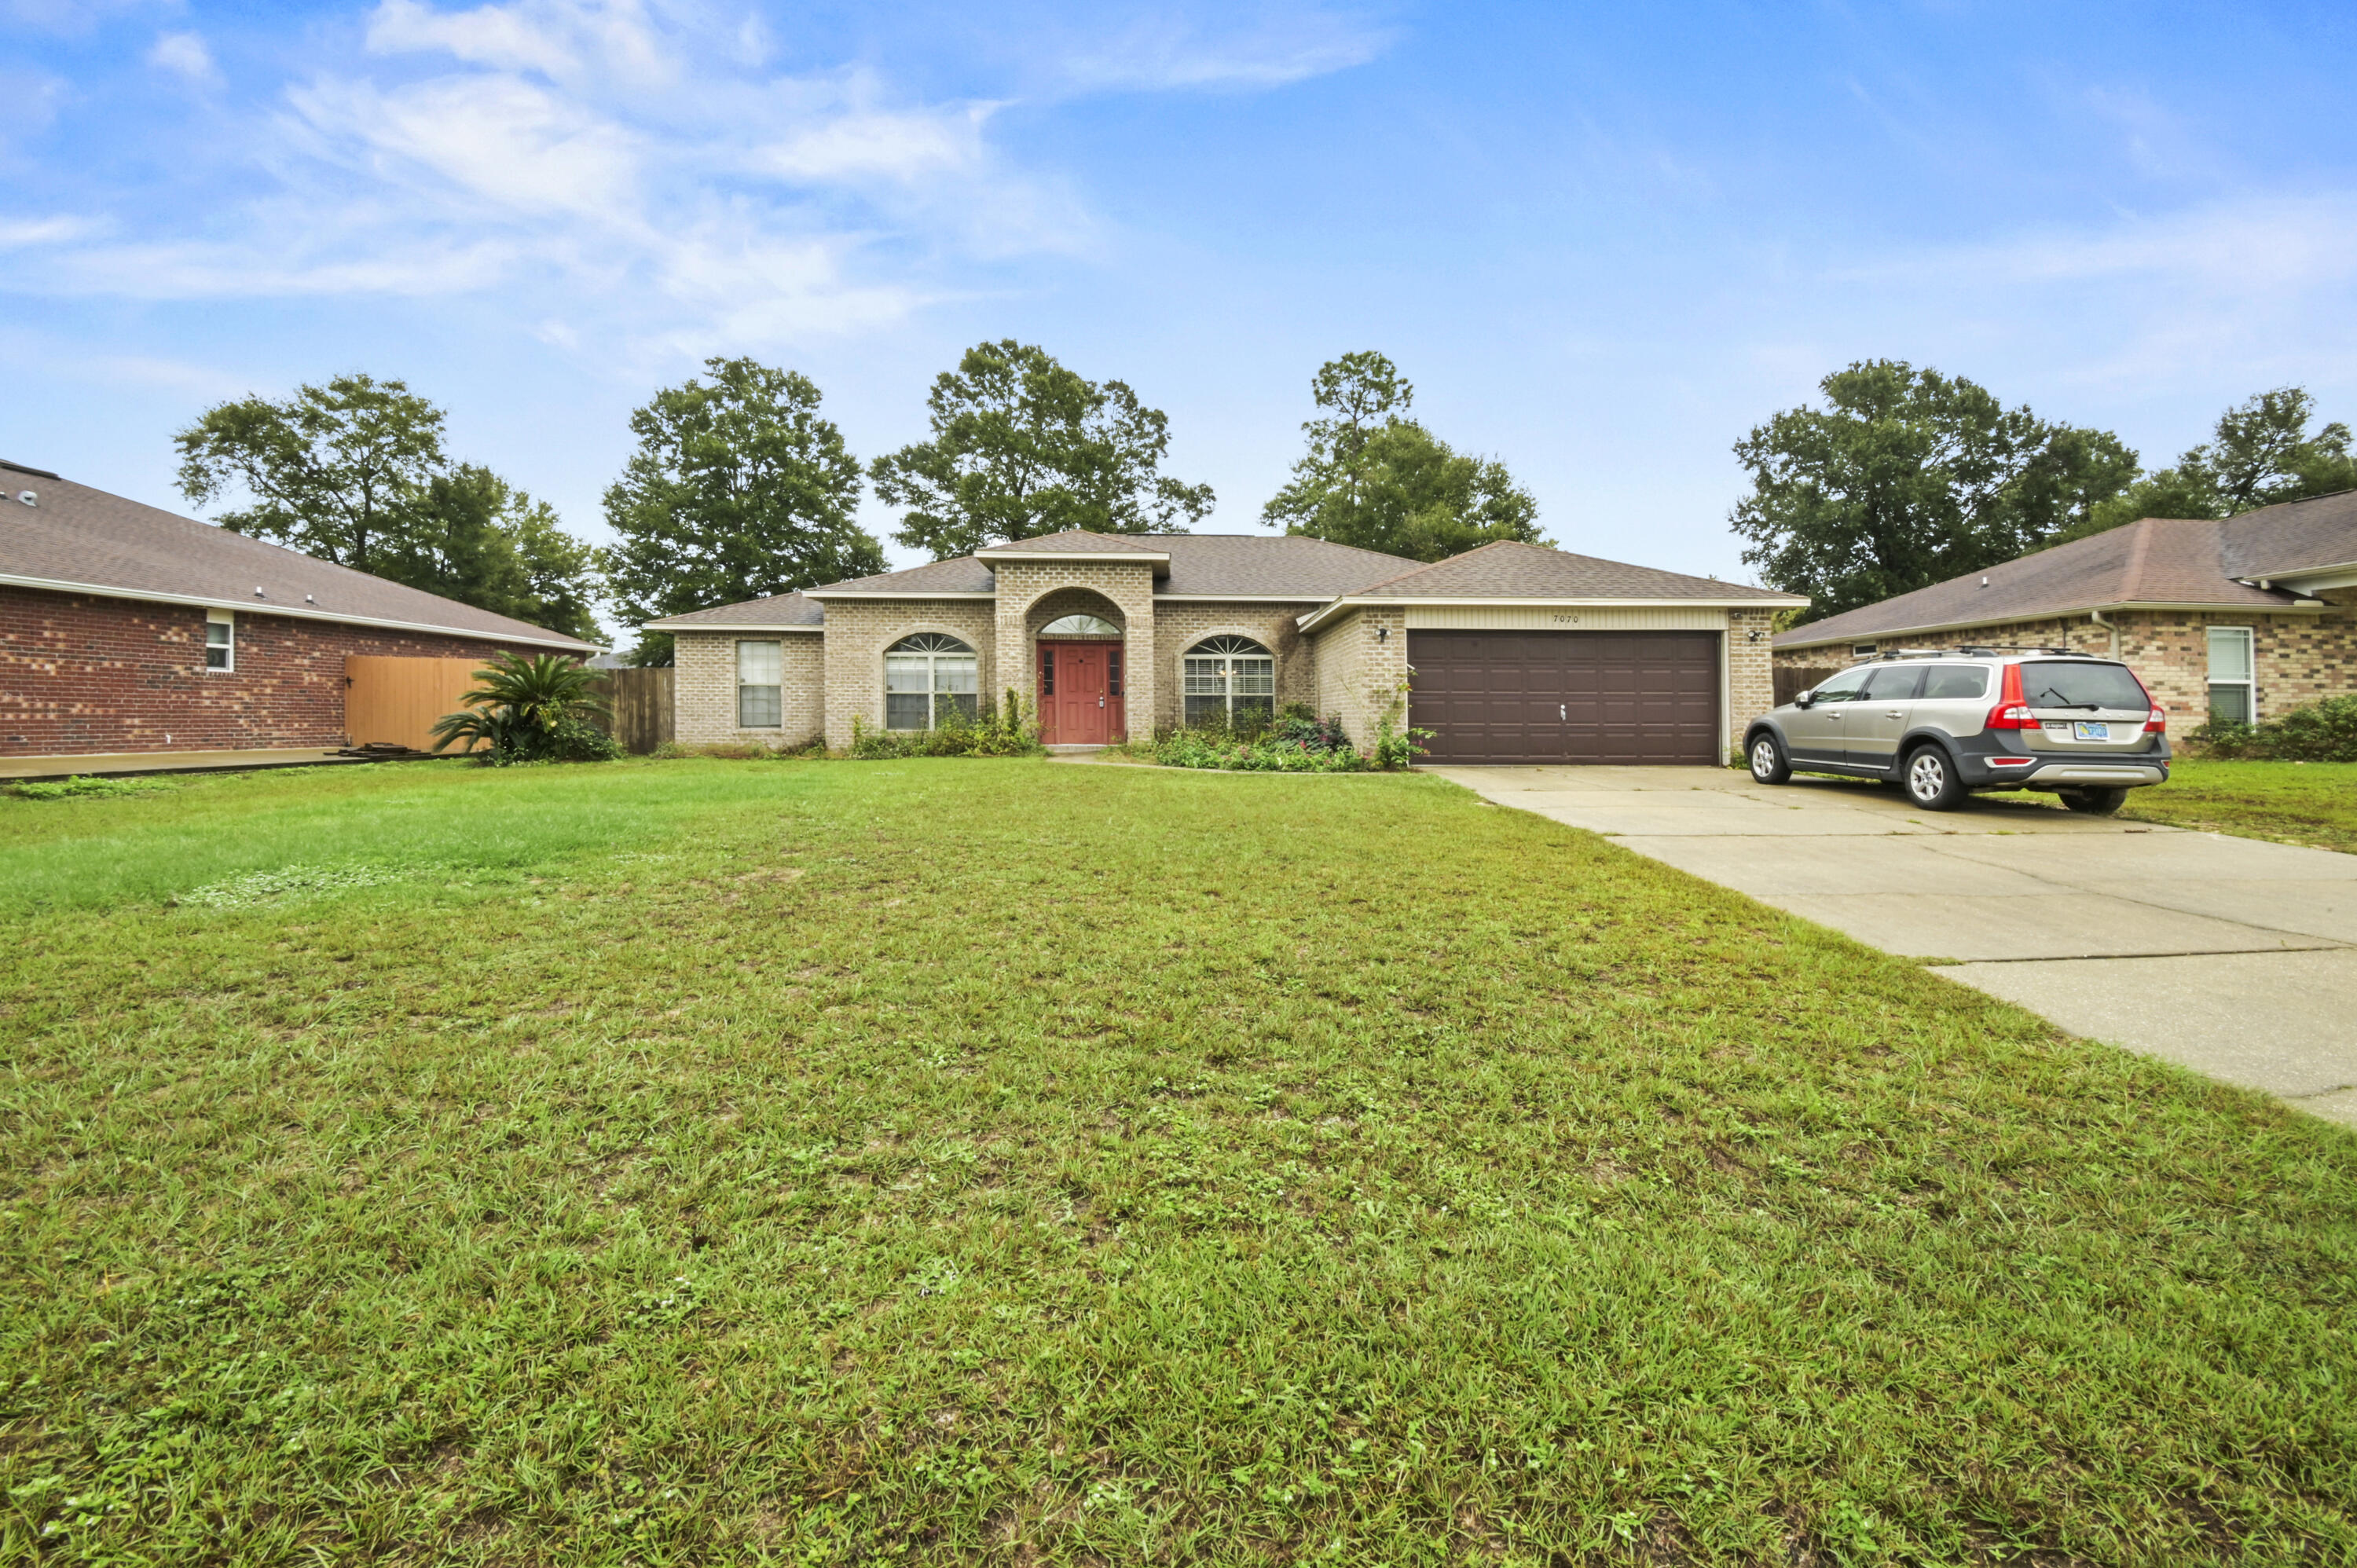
(1804, 699)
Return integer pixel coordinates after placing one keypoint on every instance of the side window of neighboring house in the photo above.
(221, 641)
(2233, 699)
(761, 703)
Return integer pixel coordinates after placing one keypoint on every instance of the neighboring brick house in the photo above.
(1508, 654)
(126, 629)
(2240, 618)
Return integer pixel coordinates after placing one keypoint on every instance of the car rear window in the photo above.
(2059, 684)
(1956, 681)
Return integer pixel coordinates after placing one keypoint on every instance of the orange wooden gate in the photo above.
(399, 699)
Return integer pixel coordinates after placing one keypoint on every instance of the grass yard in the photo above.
(1012, 1161)
(2290, 803)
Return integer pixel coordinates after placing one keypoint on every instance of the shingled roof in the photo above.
(72, 539)
(1509, 569)
(1309, 572)
(2158, 561)
(776, 612)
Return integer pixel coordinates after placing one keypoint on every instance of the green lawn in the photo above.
(2290, 803)
(1015, 1162)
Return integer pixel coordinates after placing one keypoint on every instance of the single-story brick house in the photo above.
(1508, 654)
(127, 628)
(2240, 618)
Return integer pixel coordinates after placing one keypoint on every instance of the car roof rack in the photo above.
(1988, 649)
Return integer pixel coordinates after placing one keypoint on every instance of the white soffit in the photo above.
(1583, 617)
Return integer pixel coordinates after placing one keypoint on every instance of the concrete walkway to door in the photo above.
(2230, 956)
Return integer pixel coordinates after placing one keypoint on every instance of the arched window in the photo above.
(1230, 679)
(1079, 626)
(927, 679)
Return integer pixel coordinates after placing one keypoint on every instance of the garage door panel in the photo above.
(1601, 697)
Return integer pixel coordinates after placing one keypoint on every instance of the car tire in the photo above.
(2095, 802)
(1768, 763)
(1932, 781)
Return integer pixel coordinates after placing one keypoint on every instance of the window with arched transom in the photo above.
(930, 680)
(1230, 680)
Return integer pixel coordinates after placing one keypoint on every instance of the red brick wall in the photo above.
(81, 674)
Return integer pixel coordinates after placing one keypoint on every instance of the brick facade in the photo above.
(1362, 670)
(2297, 658)
(703, 688)
(81, 674)
(1750, 671)
(1025, 587)
(1183, 623)
(857, 633)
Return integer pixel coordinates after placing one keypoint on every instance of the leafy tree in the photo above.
(354, 473)
(2259, 453)
(740, 489)
(1376, 479)
(1909, 477)
(1022, 446)
(472, 536)
(330, 471)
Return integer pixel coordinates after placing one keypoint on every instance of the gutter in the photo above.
(267, 607)
(1467, 601)
(726, 625)
(2061, 612)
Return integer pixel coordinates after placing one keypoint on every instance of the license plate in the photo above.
(2082, 729)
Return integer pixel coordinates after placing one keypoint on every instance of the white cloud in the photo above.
(629, 172)
(185, 56)
(2256, 245)
(1165, 50)
(19, 233)
(499, 137)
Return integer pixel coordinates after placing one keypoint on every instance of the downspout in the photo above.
(2097, 616)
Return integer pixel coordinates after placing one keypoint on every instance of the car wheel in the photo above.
(2095, 802)
(1768, 763)
(1932, 781)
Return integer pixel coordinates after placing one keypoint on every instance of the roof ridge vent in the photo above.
(28, 468)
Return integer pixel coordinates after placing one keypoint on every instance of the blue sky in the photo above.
(1603, 241)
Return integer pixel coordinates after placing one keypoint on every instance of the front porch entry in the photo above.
(1080, 701)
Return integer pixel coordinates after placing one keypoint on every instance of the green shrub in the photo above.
(1290, 745)
(2322, 731)
(999, 730)
(529, 710)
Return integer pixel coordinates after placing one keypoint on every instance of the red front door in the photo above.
(1081, 693)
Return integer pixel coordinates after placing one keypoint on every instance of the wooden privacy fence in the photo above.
(1791, 683)
(641, 700)
(397, 700)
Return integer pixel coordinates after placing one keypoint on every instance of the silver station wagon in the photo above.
(1945, 723)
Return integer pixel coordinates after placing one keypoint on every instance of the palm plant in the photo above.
(523, 707)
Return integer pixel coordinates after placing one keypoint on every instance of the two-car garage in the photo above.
(1567, 696)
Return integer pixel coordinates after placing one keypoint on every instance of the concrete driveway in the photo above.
(2236, 958)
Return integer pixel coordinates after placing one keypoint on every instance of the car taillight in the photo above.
(2156, 721)
(2011, 711)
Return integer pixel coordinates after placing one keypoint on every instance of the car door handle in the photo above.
(1835, 717)
(1892, 714)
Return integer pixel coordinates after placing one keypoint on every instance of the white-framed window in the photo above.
(1228, 679)
(2234, 691)
(760, 690)
(927, 678)
(221, 641)
(1079, 626)
(1864, 650)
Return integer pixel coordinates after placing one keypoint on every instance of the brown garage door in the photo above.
(1566, 696)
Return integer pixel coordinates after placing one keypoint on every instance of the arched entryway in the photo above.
(1083, 689)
